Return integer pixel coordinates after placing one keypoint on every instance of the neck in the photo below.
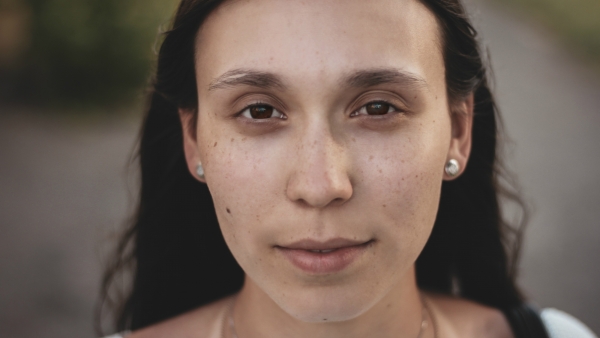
(397, 314)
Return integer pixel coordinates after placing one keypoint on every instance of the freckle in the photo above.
(215, 144)
(232, 139)
(384, 205)
(228, 211)
(415, 96)
(380, 171)
(244, 139)
(324, 319)
(370, 157)
(353, 139)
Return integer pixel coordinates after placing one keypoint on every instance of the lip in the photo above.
(327, 257)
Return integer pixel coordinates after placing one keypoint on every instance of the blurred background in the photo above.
(72, 76)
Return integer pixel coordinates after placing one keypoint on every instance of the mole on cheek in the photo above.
(228, 211)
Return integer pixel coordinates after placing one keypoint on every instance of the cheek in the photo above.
(403, 183)
(243, 179)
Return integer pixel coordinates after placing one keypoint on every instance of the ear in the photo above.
(190, 142)
(460, 144)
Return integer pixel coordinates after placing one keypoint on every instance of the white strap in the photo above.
(119, 335)
(562, 325)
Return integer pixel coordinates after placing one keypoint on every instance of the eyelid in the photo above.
(391, 104)
(391, 97)
(258, 104)
(255, 98)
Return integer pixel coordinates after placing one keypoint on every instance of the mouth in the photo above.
(323, 251)
(318, 258)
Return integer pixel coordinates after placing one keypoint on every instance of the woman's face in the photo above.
(324, 125)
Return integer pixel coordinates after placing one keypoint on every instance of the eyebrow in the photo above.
(247, 77)
(379, 76)
(361, 79)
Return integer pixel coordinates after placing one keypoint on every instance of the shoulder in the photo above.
(562, 325)
(459, 317)
(204, 322)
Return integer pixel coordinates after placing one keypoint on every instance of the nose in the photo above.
(319, 175)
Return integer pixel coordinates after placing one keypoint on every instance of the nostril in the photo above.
(319, 198)
(339, 200)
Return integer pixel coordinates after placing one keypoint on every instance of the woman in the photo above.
(349, 148)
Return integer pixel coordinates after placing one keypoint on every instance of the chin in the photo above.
(325, 305)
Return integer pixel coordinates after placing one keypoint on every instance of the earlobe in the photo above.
(460, 144)
(190, 143)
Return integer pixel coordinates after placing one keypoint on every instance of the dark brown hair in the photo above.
(174, 245)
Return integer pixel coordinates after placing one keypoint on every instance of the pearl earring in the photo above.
(200, 170)
(452, 168)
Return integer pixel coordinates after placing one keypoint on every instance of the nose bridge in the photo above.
(320, 167)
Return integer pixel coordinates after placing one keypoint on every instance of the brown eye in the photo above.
(377, 108)
(261, 112)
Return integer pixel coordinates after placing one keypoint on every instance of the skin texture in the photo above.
(322, 167)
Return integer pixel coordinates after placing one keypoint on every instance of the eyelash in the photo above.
(353, 114)
(392, 106)
(259, 104)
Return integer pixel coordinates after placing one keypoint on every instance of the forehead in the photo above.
(314, 41)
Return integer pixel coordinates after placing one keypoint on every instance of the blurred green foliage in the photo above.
(576, 21)
(91, 52)
(99, 52)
